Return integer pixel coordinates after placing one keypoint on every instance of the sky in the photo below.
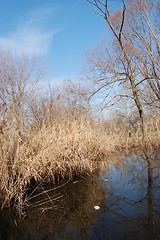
(58, 31)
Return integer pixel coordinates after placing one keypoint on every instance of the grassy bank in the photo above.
(61, 148)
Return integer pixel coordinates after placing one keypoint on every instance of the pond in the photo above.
(118, 201)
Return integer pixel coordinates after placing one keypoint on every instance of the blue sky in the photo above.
(58, 31)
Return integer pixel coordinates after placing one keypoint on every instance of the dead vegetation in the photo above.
(60, 149)
(43, 140)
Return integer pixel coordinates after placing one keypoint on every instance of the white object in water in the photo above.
(96, 207)
(106, 180)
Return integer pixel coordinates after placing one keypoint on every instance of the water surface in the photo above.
(127, 192)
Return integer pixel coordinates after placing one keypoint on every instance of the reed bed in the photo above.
(45, 139)
(60, 148)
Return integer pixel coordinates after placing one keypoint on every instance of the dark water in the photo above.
(128, 194)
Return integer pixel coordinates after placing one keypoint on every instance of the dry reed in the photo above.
(58, 148)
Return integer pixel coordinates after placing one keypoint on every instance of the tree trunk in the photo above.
(138, 104)
(131, 77)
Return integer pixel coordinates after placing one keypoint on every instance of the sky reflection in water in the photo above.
(128, 196)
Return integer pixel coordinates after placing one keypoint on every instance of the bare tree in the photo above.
(75, 95)
(18, 79)
(133, 61)
(142, 34)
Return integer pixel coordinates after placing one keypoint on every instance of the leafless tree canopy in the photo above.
(18, 79)
(130, 67)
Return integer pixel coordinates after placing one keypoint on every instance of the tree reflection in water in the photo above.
(128, 195)
(134, 195)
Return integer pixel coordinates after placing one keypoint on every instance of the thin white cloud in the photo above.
(27, 41)
(29, 37)
(41, 15)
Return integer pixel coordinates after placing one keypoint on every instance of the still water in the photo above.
(126, 193)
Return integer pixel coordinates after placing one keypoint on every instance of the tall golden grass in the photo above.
(60, 147)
